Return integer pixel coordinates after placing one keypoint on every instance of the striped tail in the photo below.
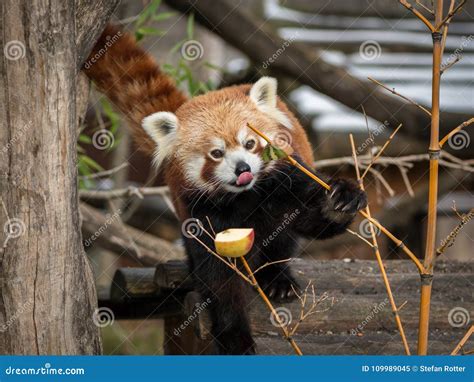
(132, 80)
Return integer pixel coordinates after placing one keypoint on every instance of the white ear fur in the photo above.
(264, 94)
(162, 128)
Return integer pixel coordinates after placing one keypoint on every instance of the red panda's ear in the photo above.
(264, 94)
(161, 127)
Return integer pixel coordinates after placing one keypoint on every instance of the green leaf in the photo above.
(190, 26)
(84, 139)
(143, 31)
(163, 16)
(148, 12)
(111, 115)
(279, 153)
(91, 163)
(272, 153)
(177, 46)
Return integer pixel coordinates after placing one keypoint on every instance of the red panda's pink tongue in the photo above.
(244, 178)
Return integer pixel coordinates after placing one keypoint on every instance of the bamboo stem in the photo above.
(463, 341)
(379, 257)
(265, 299)
(434, 150)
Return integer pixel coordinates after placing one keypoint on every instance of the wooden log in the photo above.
(173, 274)
(373, 343)
(133, 283)
(111, 234)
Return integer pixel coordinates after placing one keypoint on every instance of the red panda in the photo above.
(213, 166)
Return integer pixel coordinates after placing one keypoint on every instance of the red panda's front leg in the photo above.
(328, 213)
(224, 291)
(321, 213)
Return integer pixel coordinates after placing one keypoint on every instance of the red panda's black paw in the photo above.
(346, 197)
(281, 289)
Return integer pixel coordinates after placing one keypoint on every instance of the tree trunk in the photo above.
(47, 293)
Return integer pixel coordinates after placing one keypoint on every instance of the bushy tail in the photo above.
(132, 80)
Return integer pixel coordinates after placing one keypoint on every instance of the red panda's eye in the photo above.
(249, 145)
(217, 154)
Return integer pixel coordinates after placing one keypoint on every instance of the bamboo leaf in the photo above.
(190, 26)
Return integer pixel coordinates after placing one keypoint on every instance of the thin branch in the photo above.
(360, 237)
(451, 238)
(449, 64)
(381, 151)
(445, 34)
(429, 10)
(400, 95)
(139, 192)
(378, 255)
(406, 180)
(103, 174)
(455, 130)
(449, 16)
(417, 14)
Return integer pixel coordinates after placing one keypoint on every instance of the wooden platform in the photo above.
(355, 318)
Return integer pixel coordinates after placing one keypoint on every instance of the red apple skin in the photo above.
(252, 238)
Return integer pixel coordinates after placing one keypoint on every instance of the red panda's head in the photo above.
(209, 140)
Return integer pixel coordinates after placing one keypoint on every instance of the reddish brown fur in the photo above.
(222, 114)
(134, 83)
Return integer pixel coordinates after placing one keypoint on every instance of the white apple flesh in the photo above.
(234, 242)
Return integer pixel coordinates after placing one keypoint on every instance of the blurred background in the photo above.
(344, 43)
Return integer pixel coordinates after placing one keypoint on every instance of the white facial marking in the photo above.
(225, 171)
(193, 169)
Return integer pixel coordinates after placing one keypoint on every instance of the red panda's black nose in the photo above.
(241, 167)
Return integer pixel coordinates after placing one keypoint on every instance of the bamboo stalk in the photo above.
(463, 341)
(378, 256)
(265, 299)
(434, 150)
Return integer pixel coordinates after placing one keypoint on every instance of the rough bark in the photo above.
(47, 293)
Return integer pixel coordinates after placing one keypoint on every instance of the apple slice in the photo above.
(234, 242)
